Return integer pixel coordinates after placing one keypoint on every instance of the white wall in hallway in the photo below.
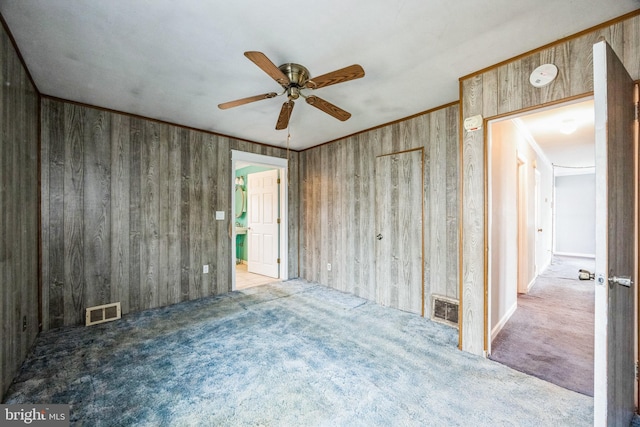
(575, 215)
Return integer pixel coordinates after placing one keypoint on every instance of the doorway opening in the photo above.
(259, 228)
(536, 302)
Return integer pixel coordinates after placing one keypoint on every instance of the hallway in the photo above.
(550, 335)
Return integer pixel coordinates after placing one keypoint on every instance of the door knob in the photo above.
(622, 280)
(585, 275)
(379, 237)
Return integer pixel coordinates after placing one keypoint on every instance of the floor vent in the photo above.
(102, 313)
(444, 310)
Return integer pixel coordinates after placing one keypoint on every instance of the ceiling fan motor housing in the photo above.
(297, 74)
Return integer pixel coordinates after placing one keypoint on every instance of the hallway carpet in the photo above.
(284, 354)
(550, 335)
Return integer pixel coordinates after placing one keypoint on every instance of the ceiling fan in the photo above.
(294, 78)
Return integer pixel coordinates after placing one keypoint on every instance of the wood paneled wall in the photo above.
(337, 205)
(505, 89)
(128, 211)
(18, 212)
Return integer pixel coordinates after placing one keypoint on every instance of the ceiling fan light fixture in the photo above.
(293, 92)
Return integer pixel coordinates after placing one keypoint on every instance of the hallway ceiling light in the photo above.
(568, 126)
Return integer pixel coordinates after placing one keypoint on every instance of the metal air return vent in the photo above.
(102, 313)
(444, 310)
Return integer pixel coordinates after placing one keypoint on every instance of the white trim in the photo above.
(489, 279)
(496, 329)
(575, 254)
(601, 309)
(260, 159)
(283, 166)
(563, 171)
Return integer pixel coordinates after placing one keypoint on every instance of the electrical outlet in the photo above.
(205, 269)
(24, 323)
(329, 267)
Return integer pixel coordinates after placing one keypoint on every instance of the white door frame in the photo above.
(491, 330)
(276, 163)
(522, 209)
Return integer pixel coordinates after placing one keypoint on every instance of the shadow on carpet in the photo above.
(291, 353)
(550, 335)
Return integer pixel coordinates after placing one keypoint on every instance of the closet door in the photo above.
(398, 231)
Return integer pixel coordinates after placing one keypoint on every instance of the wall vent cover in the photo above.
(102, 313)
(444, 310)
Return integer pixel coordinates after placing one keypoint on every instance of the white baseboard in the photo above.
(496, 329)
(544, 267)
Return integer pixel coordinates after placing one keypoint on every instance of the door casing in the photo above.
(269, 161)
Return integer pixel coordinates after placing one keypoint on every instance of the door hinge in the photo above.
(637, 100)
(278, 220)
(278, 260)
(278, 180)
(635, 365)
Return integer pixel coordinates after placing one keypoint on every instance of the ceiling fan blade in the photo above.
(265, 64)
(339, 76)
(243, 101)
(285, 115)
(328, 108)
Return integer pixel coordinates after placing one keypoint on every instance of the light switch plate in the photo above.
(219, 215)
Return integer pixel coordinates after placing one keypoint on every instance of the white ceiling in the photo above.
(569, 153)
(176, 61)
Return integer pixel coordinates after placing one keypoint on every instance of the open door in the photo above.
(262, 223)
(614, 101)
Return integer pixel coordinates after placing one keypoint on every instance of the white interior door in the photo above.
(615, 249)
(262, 223)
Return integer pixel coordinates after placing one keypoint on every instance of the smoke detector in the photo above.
(543, 75)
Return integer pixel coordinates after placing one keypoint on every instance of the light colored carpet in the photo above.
(550, 335)
(285, 354)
